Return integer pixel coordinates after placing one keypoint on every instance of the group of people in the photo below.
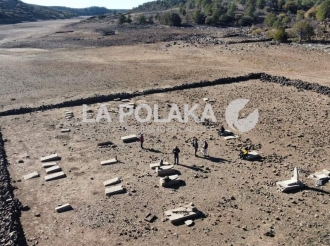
(176, 150)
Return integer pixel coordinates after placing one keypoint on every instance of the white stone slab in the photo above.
(205, 99)
(231, 137)
(252, 155)
(53, 169)
(49, 164)
(55, 176)
(109, 162)
(165, 170)
(292, 184)
(324, 175)
(182, 213)
(63, 208)
(111, 182)
(172, 181)
(130, 138)
(155, 165)
(31, 175)
(53, 157)
(125, 100)
(114, 190)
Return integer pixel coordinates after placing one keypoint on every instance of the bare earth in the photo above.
(238, 198)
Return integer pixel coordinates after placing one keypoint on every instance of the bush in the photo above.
(280, 35)
(171, 19)
(303, 30)
(245, 21)
(209, 20)
(198, 17)
(122, 19)
(256, 32)
(141, 19)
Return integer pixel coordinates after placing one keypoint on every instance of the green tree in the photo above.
(141, 19)
(209, 20)
(198, 17)
(270, 19)
(172, 19)
(121, 19)
(303, 30)
(280, 35)
(323, 11)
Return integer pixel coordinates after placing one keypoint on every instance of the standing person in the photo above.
(176, 152)
(195, 145)
(141, 140)
(205, 147)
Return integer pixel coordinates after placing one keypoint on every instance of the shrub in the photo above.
(303, 30)
(323, 11)
(198, 17)
(209, 20)
(256, 32)
(245, 21)
(280, 35)
(141, 19)
(172, 19)
(122, 19)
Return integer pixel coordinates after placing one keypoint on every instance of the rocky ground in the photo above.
(238, 199)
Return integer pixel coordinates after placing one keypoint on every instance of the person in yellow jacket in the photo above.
(243, 153)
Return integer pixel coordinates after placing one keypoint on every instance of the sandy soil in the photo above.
(36, 76)
(238, 198)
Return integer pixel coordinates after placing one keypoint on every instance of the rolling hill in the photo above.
(15, 11)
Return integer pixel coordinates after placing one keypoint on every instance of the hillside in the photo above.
(15, 11)
(88, 11)
(243, 12)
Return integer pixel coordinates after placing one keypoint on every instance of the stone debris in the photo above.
(182, 213)
(54, 157)
(65, 130)
(169, 181)
(55, 176)
(109, 162)
(49, 164)
(189, 222)
(116, 99)
(321, 177)
(130, 138)
(252, 155)
(53, 169)
(292, 184)
(165, 170)
(114, 190)
(31, 176)
(105, 143)
(69, 115)
(150, 217)
(64, 208)
(111, 182)
(125, 100)
(205, 99)
(227, 133)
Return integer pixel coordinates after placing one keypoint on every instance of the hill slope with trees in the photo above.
(15, 11)
(305, 18)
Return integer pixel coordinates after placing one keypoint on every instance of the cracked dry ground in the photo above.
(238, 198)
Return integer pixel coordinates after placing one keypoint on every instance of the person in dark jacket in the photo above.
(176, 152)
(141, 139)
(195, 145)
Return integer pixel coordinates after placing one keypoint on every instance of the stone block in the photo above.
(130, 138)
(31, 175)
(114, 190)
(153, 166)
(183, 213)
(54, 157)
(64, 208)
(109, 162)
(49, 164)
(65, 130)
(55, 176)
(170, 181)
(111, 182)
(53, 169)
(165, 170)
